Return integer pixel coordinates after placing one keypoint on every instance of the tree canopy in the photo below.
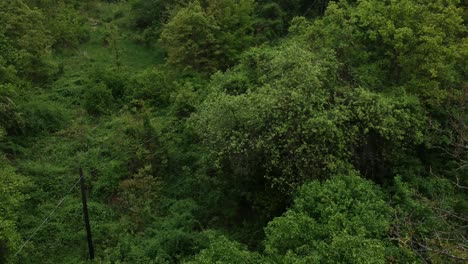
(234, 131)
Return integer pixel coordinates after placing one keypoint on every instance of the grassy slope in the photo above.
(50, 161)
(109, 34)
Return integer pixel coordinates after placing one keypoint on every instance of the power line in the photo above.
(67, 193)
(47, 218)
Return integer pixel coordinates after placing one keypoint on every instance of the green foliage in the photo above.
(25, 43)
(388, 44)
(67, 26)
(287, 152)
(195, 51)
(151, 13)
(43, 116)
(138, 197)
(10, 117)
(295, 122)
(344, 218)
(186, 97)
(155, 86)
(302, 7)
(171, 237)
(12, 186)
(271, 23)
(428, 218)
(222, 250)
(116, 80)
(98, 99)
(130, 144)
(208, 38)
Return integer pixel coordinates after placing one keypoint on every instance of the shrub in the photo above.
(98, 99)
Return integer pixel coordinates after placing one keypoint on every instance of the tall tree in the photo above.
(209, 38)
(25, 42)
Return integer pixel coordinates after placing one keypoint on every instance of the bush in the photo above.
(224, 251)
(344, 218)
(209, 38)
(67, 26)
(10, 118)
(154, 85)
(43, 116)
(98, 99)
(115, 80)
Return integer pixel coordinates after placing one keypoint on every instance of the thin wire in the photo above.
(48, 216)
(65, 196)
(144, 142)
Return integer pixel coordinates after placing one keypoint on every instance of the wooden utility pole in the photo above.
(85, 214)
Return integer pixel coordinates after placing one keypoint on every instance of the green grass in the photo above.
(131, 55)
(107, 38)
(109, 33)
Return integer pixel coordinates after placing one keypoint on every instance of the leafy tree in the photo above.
(150, 13)
(208, 38)
(154, 85)
(294, 8)
(67, 26)
(342, 219)
(189, 38)
(172, 237)
(7, 70)
(271, 22)
(282, 116)
(25, 42)
(428, 218)
(389, 44)
(138, 196)
(98, 99)
(222, 250)
(340, 139)
(116, 80)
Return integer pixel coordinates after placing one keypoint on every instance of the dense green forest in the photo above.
(234, 131)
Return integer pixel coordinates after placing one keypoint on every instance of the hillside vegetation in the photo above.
(234, 131)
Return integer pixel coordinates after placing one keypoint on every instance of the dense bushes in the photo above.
(207, 38)
(263, 137)
(294, 126)
(155, 86)
(25, 42)
(343, 218)
(67, 26)
(10, 117)
(11, 187)
(151, 13)
(98, 99)
(44, 116)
